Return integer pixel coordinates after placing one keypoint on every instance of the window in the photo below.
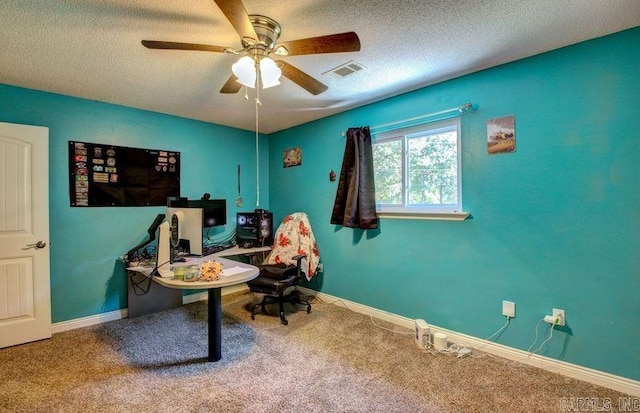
(417, 169)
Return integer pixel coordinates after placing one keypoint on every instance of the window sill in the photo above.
(439, 216)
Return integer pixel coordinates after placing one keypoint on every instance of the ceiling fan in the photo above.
(259, 35)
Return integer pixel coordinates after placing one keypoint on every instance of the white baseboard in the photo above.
(618, 383)
(88, 321)
(118, 314)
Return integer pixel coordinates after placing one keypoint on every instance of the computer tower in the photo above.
(188, 223)
(254, 229)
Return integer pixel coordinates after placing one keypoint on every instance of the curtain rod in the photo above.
(459, 109)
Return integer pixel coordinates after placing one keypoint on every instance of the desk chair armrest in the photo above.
(299, 258)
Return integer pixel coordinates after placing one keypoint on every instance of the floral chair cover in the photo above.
(293, 237)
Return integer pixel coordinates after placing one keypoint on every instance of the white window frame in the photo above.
(432, 211)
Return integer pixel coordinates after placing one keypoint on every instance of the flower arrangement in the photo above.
(210, 271)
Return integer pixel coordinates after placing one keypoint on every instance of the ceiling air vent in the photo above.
(345, 70)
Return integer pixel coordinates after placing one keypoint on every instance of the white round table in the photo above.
(238, 273)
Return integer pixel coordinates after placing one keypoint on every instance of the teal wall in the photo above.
(555, 224)
(86, 277)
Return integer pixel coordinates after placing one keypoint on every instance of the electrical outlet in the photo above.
(320, 267)
(559, 313)
(509, 309)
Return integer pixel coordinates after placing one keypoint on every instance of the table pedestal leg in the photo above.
(215, 327)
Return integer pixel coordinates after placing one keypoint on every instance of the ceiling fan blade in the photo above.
(155, 44)
(297, 76)
(232, 85)
(332, 43)
(237, 15)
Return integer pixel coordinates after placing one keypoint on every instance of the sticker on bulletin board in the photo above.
(108, 175)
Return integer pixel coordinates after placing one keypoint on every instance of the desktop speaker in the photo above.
(254, 229)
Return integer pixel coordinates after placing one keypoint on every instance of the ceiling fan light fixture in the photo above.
(269, 73)
(245, 71)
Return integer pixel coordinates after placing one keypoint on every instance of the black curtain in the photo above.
(355, 204)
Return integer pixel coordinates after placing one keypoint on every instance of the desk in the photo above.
(214, 288)
(199, 260)
(142, 300)
(240, 251)
(215, 299)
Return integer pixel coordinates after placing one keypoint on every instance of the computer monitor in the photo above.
(177, 201)
(214, 211)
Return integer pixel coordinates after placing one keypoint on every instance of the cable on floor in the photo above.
(339, 300)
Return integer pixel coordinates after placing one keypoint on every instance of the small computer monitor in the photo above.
(177, 202)
(214, 211)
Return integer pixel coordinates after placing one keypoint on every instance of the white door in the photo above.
(25, 303)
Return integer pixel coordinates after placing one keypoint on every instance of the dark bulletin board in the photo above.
(108, 175)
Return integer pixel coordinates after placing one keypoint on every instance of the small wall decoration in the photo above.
(501, 135)
(291, 157)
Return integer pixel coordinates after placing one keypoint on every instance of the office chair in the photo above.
(293, 256)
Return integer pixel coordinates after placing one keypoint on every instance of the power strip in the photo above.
(422, 335)
(426, 341)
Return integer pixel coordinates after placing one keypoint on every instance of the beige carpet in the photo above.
(331, 360)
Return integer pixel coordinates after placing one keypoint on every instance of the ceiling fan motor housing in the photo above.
(268, 31)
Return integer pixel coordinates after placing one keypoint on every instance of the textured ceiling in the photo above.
(91, 49)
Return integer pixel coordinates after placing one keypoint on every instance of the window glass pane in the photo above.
(417, 168)
(387, 160)
(432, 169)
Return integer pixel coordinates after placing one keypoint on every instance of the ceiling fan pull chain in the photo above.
(257, 149)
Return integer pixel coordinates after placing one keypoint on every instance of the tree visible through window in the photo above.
(417, 169)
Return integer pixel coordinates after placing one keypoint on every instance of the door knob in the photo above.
(38, 245)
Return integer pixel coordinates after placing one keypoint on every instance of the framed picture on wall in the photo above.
(501, 135)
(291, 157)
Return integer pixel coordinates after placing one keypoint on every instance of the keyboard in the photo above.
(212, 249)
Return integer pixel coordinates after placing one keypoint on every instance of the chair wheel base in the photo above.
(293, 298)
